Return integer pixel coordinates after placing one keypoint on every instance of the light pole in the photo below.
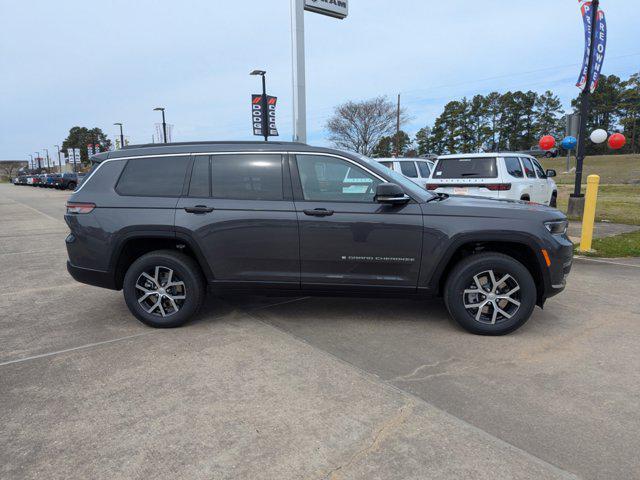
(48, 163)
(164, 123)
(265, 113)
(30, 162)
(38, 159)
(121, 134)
(59, 160)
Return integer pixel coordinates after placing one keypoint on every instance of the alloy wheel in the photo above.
(160, 291)
(492, 297)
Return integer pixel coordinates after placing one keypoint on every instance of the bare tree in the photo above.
(359, 126)
(8, 169)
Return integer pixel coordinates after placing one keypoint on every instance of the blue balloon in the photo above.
(569, 143)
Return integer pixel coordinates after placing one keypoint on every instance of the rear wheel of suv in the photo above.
(490, 294)
(164, 288)
(71, 185)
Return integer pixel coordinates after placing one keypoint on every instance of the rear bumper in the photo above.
(96, 278)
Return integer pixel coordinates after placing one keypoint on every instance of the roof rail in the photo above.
(229, 142)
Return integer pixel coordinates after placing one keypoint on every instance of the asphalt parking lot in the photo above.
(308, 387)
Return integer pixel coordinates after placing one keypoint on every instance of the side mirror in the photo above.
(551, 173)
(390, 193)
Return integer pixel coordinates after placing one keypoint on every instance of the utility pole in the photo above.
(298, 78)
(38, 159)
(398, 129)
(576, 199)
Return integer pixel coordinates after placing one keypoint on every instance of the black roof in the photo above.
(200, 147)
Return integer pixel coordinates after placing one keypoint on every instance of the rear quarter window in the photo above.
(153, 177)
(483, 167)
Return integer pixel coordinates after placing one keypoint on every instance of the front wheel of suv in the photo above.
(164, 289)
(490, 294)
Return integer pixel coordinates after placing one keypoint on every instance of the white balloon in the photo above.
(599, 136)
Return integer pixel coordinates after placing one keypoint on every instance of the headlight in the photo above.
(558, 227)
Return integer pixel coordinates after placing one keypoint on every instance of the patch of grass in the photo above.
(613, 169)
(616, 203)
(623, 245)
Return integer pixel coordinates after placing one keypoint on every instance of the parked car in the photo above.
(510, 176)
(67, 181)
(51, 179)
(536, 151)
(417, 170)
(166, 223)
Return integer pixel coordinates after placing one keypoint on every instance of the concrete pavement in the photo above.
(304, 388)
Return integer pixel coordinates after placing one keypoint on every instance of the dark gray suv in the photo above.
(166, 223)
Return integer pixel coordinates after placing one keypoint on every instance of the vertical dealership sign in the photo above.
(263, 115)
(596, 54)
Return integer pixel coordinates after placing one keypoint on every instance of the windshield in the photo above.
(409, 187)
(480, 167)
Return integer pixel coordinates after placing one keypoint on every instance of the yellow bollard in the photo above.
(589, 212)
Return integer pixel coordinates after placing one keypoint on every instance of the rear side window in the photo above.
(482, 167)
(528, 167)
(408, 169)
(389, 165)
(153, 177)
(247, 177)
(199, 184)
(424, 169)
(513, 167)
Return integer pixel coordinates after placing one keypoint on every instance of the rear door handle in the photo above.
(318, 212)
(198, 209)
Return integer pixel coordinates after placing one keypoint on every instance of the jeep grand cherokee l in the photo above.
(166, 223)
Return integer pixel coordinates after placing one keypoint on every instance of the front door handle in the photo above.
(198, 209)
(318, 212)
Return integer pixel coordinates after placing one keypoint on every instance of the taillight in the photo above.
(432, 186)
(497, 186)
(80, 207)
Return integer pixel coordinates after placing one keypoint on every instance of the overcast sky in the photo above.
(93, 63)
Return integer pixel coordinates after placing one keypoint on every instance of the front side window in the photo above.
(528, 167)
(326, 178)
(247, 177)
(153, 177)
(408, 169)
(513, 167)
(539, 170)
(424, 169)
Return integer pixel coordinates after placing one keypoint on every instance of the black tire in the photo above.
(554, 200)
(185, 269)
(71, 185)
(461, 279)
(525, 198)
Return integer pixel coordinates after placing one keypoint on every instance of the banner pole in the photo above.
(298, 72)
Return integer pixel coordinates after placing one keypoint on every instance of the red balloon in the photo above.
(617, 141)
(547, 142)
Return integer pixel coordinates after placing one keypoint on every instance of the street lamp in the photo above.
(121, 134)
(59, 160)
(164, 123)
(38, 159)
(265, 120)
(30, 162)
(48, 163)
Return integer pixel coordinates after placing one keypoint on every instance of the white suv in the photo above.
(417, 170)
(513, 176)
